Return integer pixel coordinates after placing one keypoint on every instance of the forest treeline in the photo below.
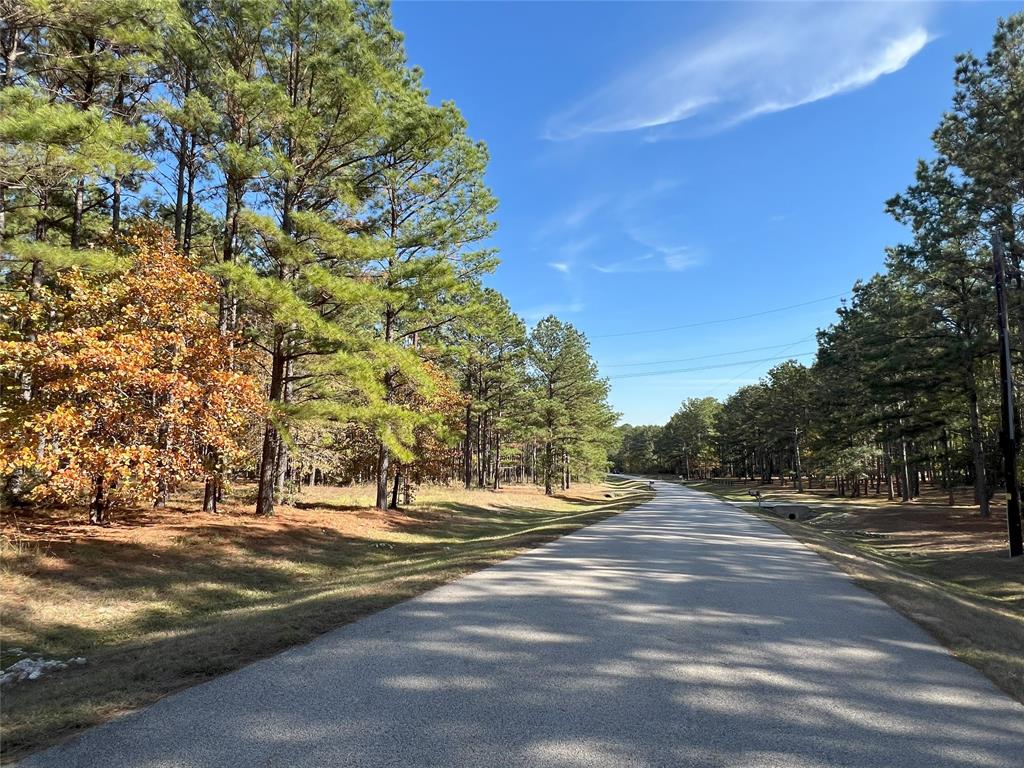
(240, 242)
(905, 384)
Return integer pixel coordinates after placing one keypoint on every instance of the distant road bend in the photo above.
(683, 632)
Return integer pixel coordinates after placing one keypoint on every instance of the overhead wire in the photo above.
(711, 367)
(717, 321)
(738, 376)
(707, 357)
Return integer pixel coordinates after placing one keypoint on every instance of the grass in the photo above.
(940, 565)
(163, 599)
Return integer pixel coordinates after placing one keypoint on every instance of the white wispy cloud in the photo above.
(568, 253)
(569, 220)
(669, 260)
(533, 314)
(582, 211)
(775, 57)
(660, 253)
(574, 248)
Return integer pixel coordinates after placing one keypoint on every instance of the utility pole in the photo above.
(1009, 438)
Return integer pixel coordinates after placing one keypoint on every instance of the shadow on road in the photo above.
(681, 633)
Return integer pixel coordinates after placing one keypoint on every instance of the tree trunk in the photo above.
(497, 460)
(162, 493)
(117, 181)
(10, 52)
(115, 207)
(282, 461)
(268, 455)
(485, 439)
(947, 471)
(265, 475)
(190, 200)
(796, 461)
(383, 468)
(77, 213)
(981, 490)
(98, 506)
(480, 451)
(548, 490)
(397, 484)
(904, 471)
(887, 457)
(383, 457)
(280, 468)
(179, 190)
(232, 211)
(210, 492)
(467, 458)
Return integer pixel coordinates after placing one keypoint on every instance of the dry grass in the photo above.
(162, 599)
(942, 566)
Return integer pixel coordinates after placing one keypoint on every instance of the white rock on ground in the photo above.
(33, 668)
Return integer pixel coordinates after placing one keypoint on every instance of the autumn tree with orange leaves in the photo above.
(133, 389)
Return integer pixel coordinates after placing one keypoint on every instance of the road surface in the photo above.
(683, 632)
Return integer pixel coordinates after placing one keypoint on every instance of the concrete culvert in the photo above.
(794, 511)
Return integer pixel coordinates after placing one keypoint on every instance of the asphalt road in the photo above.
(681, 633)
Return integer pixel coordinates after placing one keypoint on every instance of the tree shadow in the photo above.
(668, 636)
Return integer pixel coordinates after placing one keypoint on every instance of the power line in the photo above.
(741, 374)
(708, 357)
(710, 367)
(721, 320)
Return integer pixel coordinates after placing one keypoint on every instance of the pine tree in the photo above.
(300, 272)
(573, 416)
(983, 135)
(947, 264)
(431, 207)
(486, 348)
(688, 441)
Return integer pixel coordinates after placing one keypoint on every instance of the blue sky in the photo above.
(671, 164)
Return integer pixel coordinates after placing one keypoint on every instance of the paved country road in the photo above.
(683, 632)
